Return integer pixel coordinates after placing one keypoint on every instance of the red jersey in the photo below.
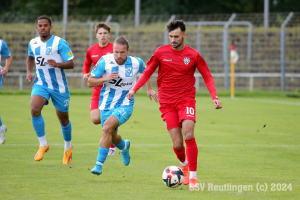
(176, 71)
(93, 54)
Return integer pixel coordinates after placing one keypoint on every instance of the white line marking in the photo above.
(199, 145)
(270, 101)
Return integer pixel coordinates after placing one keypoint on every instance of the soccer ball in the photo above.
(172, 176)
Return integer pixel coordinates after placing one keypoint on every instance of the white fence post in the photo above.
(251, 83)
(20, 82)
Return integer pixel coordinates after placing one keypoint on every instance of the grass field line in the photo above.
(199, 145)
(269, 101)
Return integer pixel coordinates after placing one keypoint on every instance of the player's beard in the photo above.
(178, 44)
(45, 35)
(121, 61)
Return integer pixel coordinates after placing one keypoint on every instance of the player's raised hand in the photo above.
(86, 77)
(217, 103)
(130, 94)
(29, 77)
(51, 62)
(151, 94)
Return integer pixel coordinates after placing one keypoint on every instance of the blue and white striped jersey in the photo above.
(113, 93)
(4, 51)
(55, 48)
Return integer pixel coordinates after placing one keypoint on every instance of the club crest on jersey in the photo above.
(128, 71)
(186, 61)
(48, 50)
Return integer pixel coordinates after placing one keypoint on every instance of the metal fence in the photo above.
(257, 19)
(247, 81)
(268, 59)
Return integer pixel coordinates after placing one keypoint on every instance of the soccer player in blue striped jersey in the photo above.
(119, 73)
(4, 51)
(51, 55)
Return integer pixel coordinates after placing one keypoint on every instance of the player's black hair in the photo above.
(102, 25)
(122, 40)
(44, 17)
(176, 24)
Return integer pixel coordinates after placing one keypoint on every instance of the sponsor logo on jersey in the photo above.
(167, 59)
(94, 56)
(35, 42)
(39, 60)
(118, 82)
(111, 62)
(48, 50)
(186, 61)
(71, 53)
(95, 66)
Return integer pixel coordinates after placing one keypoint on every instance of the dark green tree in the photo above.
(152, 7)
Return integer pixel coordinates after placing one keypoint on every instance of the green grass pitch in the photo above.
(250, 141)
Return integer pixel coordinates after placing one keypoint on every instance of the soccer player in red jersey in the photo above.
(93, 54)
(176, 64)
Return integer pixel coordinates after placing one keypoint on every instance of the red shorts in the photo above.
(95, 98)
(174, 113)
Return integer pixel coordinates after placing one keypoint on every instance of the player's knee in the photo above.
(35, 111)
(106, 130)
(189, 136)
(96, 121)
(64, 121)
(178, 145)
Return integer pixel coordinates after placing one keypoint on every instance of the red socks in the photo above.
(180, 154)
(192, 153)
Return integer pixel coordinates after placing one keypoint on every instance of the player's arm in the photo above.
(66, 54)
(209, 81)
(65, 65)
(94, 82)
(149, 70)
(7, 55)
(86, 77)
(150, 92)
(95, 79)
(30, 64)
(87, 66)
(5, 69)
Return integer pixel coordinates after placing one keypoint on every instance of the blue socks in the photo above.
(67, 132)
(38, 125)
(102, 155)
(121, 145)
(0, 121)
